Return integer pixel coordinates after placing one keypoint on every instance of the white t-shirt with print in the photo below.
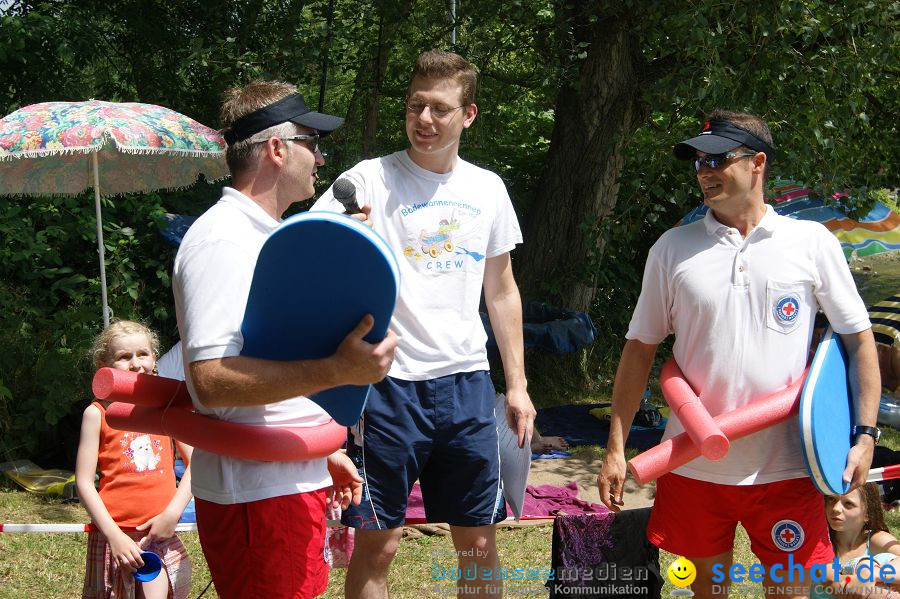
(211, 282)
(742, 312)
(442, 228)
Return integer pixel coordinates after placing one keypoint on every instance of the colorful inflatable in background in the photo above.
(875, 233)
(35, 479)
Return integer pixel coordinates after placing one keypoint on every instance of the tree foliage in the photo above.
(579, 105)
(822, 74)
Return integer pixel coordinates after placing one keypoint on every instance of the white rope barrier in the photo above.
(181, 527)
(82, 528)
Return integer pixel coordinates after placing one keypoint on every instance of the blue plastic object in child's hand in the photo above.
(150, 569)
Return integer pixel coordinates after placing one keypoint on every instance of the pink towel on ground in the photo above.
(415, 509)
(543, 500)
(550, 500)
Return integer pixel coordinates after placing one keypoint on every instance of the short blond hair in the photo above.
(121, 328)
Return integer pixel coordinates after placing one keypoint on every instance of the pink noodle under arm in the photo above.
(697, 422)
(112, 384)
(680, 450)
(141, 406)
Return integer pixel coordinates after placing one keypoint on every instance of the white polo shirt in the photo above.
(443, 227)
(211, 283)
(742, 312)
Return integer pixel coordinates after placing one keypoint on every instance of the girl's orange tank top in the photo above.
(137, 473)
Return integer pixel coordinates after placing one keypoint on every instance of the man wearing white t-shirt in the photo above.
(740, 290)
(452, 226)
(261, 524)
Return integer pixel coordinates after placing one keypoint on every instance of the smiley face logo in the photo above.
(682, 572)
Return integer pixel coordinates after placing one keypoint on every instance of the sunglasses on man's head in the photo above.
(716, 161)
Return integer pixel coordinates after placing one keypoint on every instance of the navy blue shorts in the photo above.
(440, 431)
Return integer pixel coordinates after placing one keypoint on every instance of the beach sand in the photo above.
(583, 467)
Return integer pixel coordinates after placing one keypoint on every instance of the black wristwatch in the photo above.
(867, 430)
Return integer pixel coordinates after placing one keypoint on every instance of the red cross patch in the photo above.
(786, 309)
(787, 535)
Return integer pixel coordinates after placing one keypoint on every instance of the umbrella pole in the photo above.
(100, 240)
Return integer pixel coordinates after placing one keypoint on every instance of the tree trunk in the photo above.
(595, 113)
(370, 124)
(367, 89)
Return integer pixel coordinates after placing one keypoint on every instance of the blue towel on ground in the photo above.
(578, 427)
(553, 454)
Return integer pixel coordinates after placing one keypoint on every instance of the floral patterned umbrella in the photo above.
(64, 148)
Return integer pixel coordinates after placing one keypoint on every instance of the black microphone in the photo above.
(344, 191)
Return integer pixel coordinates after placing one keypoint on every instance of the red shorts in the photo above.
(269, 548)
(695, 518)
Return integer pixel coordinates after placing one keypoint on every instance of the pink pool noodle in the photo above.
(141, 419)
(680, 449)
(112, 384)
(245, 441)
(697, 422)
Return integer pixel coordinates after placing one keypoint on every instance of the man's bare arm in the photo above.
(628, 389)
(243, 381)
(504, 305)
(865, 383)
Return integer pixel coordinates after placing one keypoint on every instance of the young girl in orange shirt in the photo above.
(137, 506)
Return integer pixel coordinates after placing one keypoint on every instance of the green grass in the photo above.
(890, 437)
(52, 565)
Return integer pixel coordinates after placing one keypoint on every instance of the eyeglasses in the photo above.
(314, 146)
(717, 161)
(438, 112)
(304, 138)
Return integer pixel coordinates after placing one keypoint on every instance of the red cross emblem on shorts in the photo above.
(787, 535)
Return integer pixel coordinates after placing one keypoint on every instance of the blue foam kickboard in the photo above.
(317, 275)
(826, 416)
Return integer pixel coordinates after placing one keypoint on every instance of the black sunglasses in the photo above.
(717, 161)
(306, 139)
(314, 146)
